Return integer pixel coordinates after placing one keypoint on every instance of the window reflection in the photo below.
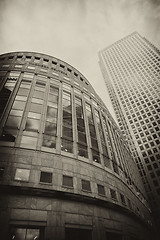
(50, 131)
(15, 116)
(51, 113)
(49, 141)
(16, 112)
(22, 174)
(82, 151)
(5, 94)
(67, 145)
(32, 124)
(50, 128)
(13, 122)
(67, 134)
(27, 141)
(34, 115)
(82, 141)
(24, 234)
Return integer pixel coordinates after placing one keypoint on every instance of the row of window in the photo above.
(78, 233)
(38, 60)
(67, 181)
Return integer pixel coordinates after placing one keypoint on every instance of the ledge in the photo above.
(20, 190)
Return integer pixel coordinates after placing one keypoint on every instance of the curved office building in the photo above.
(65, 170)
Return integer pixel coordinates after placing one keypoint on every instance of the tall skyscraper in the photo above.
(131, 69)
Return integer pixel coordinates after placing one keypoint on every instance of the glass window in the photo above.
(50, 128)
(16, 112)
(51, 117)
(95, 156)
(5, 94)
(36, 59)
(49, 141)
(44, 70)
(46, 177)
(53, 98)
(23, 92)
(35, 108)
(14, 75)
(29, 141)
(22, 174)
(82, 150)
(67, 132)
(34, 115)
(113, 194)
(67, 145)
(106, 162)
(24, 233)
(28, 75)
(13, 122)
(31, 67)
(38, 94)
(67, 181)
(32, 124)
(18, 105)
(101, 190)
(8, 135)
(86, 185)
(51, 113)
(122, 199)
(35, 100)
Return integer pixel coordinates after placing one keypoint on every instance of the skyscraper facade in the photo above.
(131, 69)
(65, 170)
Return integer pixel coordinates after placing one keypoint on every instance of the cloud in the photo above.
(75, 30)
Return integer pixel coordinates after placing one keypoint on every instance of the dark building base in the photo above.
(60, 219)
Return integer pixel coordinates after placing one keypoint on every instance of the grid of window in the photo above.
(134, 68)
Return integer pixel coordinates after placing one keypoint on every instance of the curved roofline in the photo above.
(99, 98)
(51, 57)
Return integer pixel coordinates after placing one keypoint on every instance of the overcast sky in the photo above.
(75, 30)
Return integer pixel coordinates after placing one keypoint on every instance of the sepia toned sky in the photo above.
(75, 30)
